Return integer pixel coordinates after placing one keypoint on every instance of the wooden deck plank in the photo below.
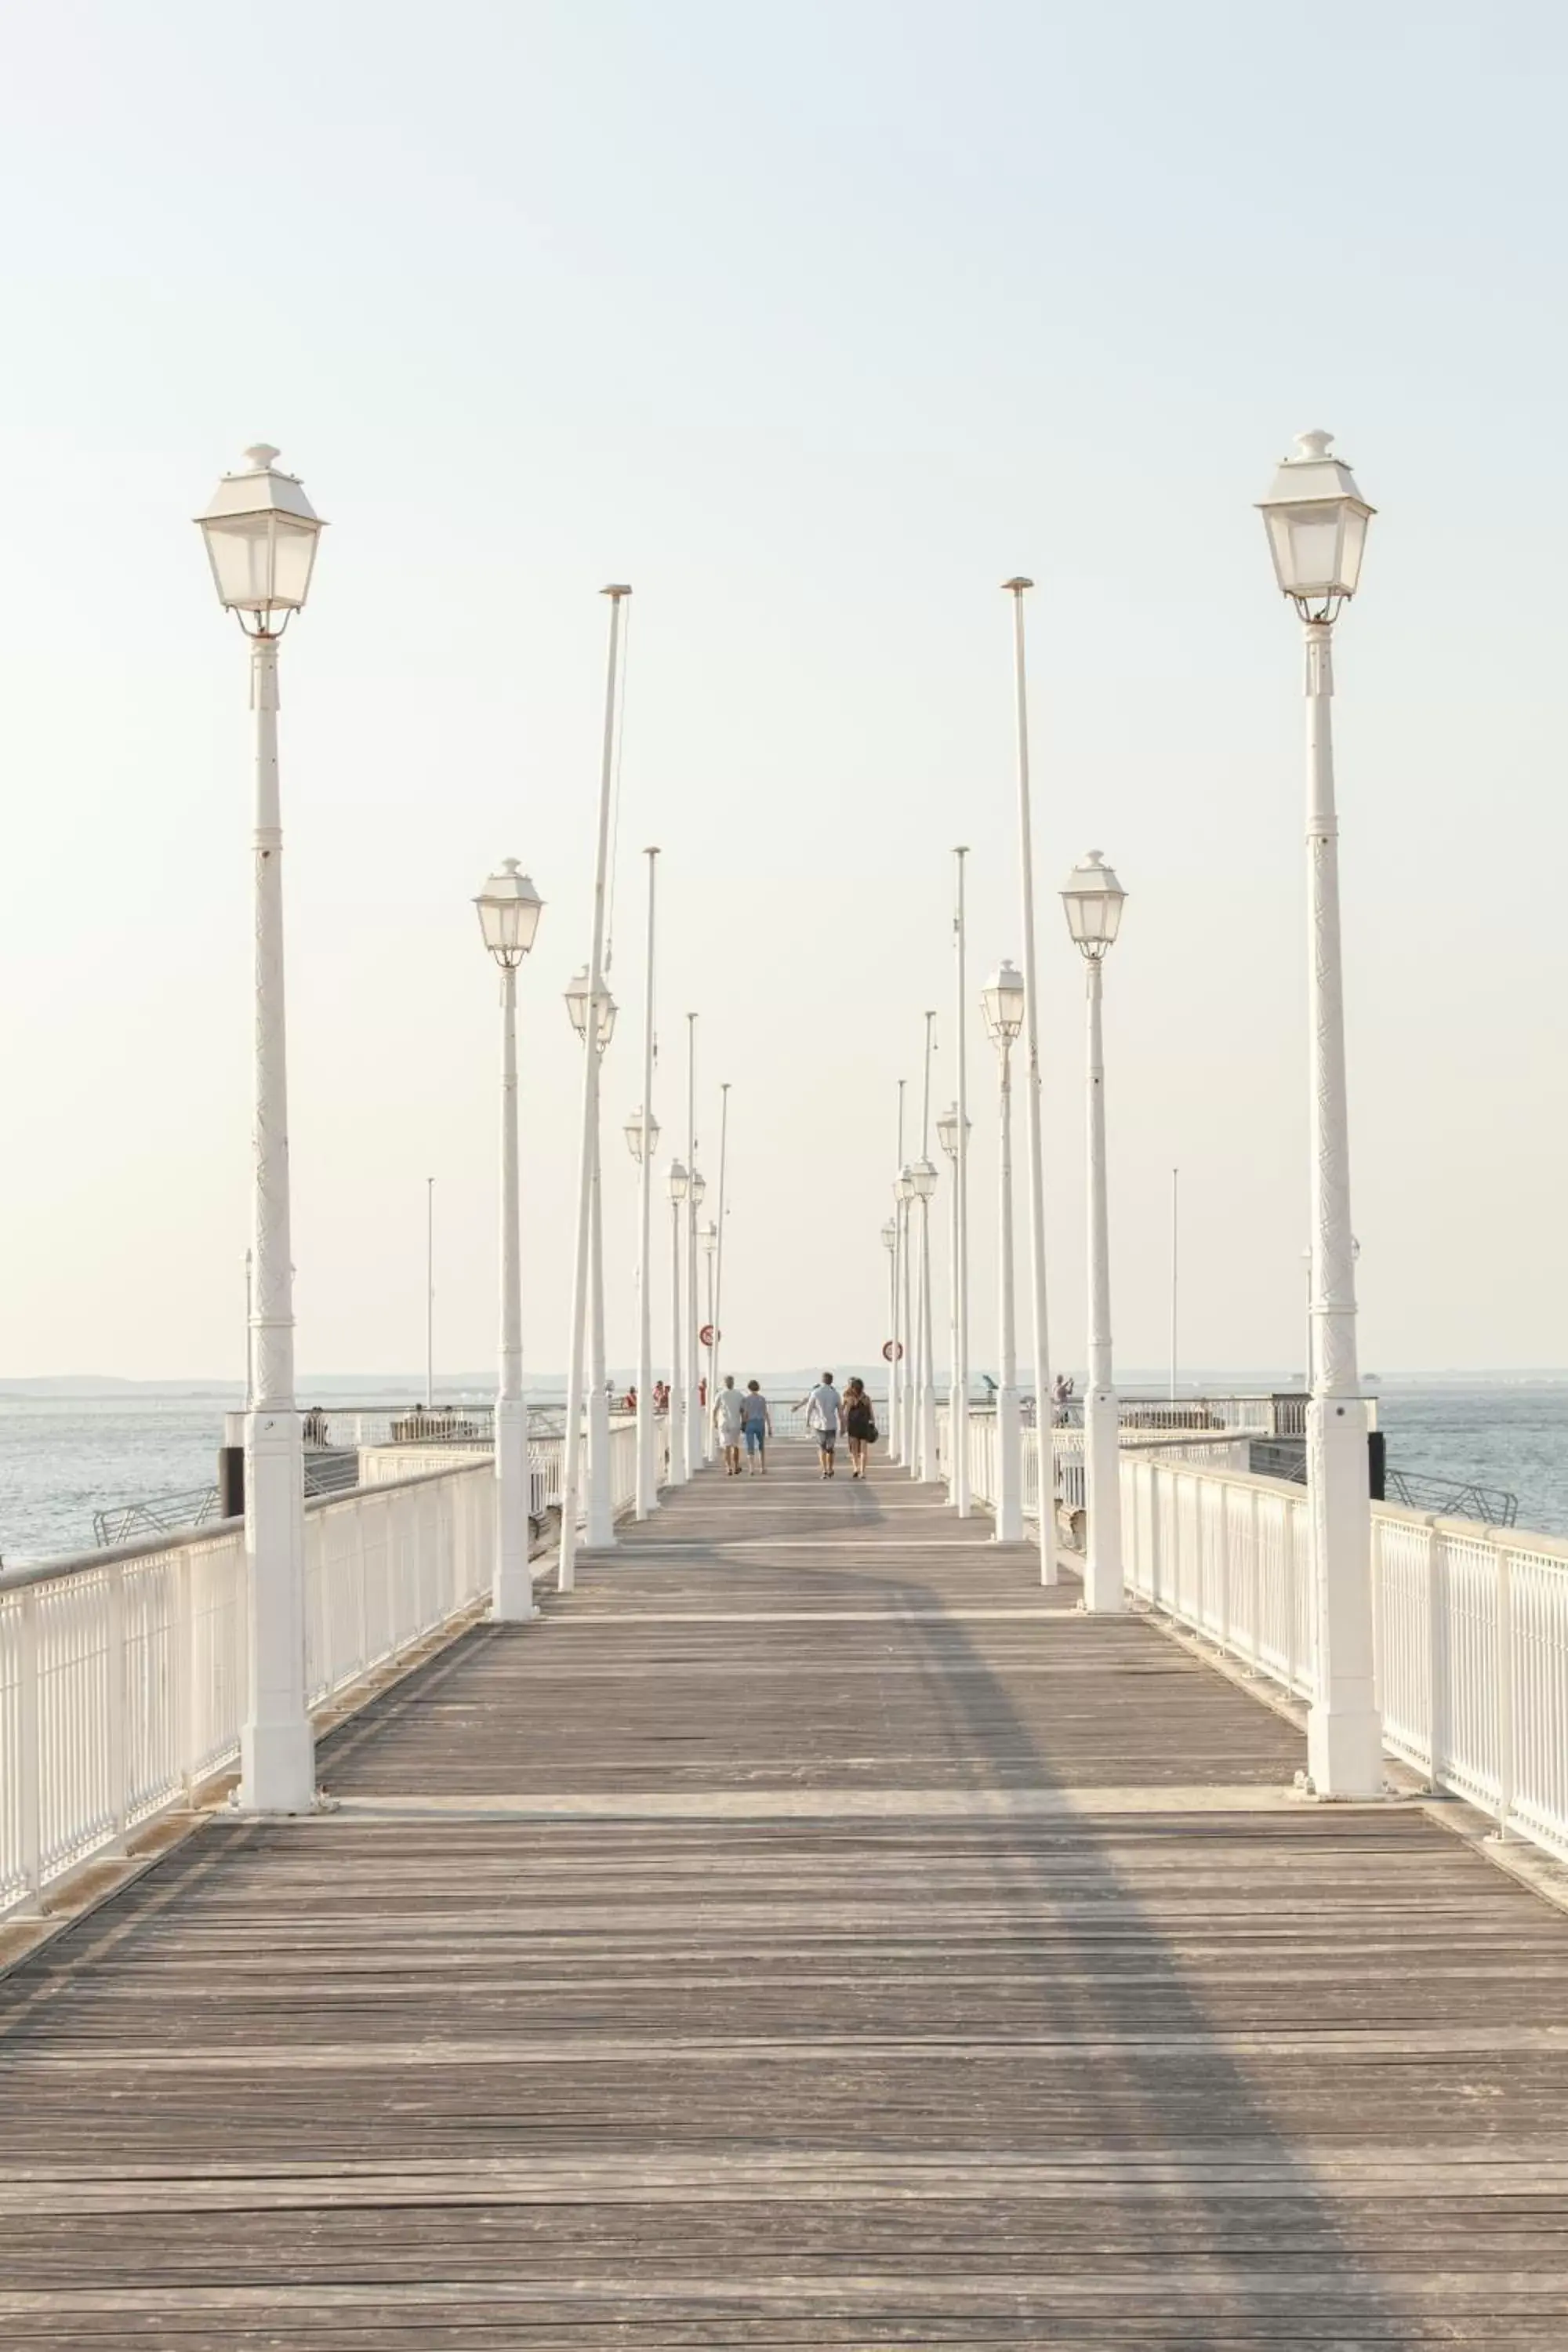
(979, 1993)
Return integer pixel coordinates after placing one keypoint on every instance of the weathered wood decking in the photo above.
(811, 1933)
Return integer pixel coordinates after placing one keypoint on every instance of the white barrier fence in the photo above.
(1222, 1449)
(1471, 1624)
(122, 1676)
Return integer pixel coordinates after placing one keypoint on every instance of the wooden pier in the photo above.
(810, 1933)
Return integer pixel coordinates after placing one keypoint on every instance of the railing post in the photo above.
(118, 1695)
(1257, 1578)
(182, 1647)
(1292, 1581)
(29, 1789)
(1505, 1688)
(1156, 1550)
(1435, 1727)
(1224, 1493)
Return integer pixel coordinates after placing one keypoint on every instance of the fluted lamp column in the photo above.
(508, 909)
(1002, 1002)
(708, 1240)
(903, 1199)
(696, 1193)
(923, 1175)
(642, 1142)
(948, 1128)
(598, 1513)
(260, 531)
(1317, 522)
(890, 1244)
(679, 1184)
(1093, 900)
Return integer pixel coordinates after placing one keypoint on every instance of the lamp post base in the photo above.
(512, 1596)
(1009, 1467)
(1345, 1732)
(598, 1518)
(1344, 1753)
(1103, 1593)
(276, 1768)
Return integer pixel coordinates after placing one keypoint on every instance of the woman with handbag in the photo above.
(859, 1426)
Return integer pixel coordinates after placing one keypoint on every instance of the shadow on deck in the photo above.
(810, 1933)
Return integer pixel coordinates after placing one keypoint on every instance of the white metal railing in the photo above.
(1471, 1624)
(122, 1674)
(1221, 1447)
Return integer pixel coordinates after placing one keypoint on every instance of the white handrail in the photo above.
(1471, 1624)
(122, 1674)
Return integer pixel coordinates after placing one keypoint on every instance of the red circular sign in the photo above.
(892, 1349)
(708, 1334)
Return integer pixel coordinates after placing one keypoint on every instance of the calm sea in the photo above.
(63, 1458)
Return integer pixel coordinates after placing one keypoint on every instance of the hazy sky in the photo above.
(814, 323)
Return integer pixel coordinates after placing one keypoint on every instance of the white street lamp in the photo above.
(508, 909)
(898, 1426)
(599, 1518)
(680, 1469)
(1042, 1435)
(577, 997)
(1316, 520)
(890, 1244)
(904, 1196)
(695, 1191)
(708, 1243)
(260, 531)
(716, 1308)
(592, 1008)
(1093, 900)
(1002, 1002)
(958, 1392)
(952, 1135)
(642, 1135)
(923, 1172)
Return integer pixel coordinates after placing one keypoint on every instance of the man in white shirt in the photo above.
(727, 1423)
(824, 1413)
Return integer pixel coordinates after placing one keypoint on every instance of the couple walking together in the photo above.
(828, 1412)
(743, 1419)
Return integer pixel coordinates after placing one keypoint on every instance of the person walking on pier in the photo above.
(824, 1413)
(756, 1427)
(859, 1426)
(729, 1419)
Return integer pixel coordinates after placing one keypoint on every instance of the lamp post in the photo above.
(923, 1170)
(708, 1238)
(1015, 588)
(679, 1184)
(1317, 520)
(696, 1193)
(260, 531)
(897, 1417)
(1002, 1002)
(642, 1141)
(508, 909)
(599, 1518)
(644, 1144)
(904, 1194)
(716, 1305)
(951, 1133)
(890, 1244)
(588, 1148)
(959, 1392)
(693, 1201)
(1093, 900)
